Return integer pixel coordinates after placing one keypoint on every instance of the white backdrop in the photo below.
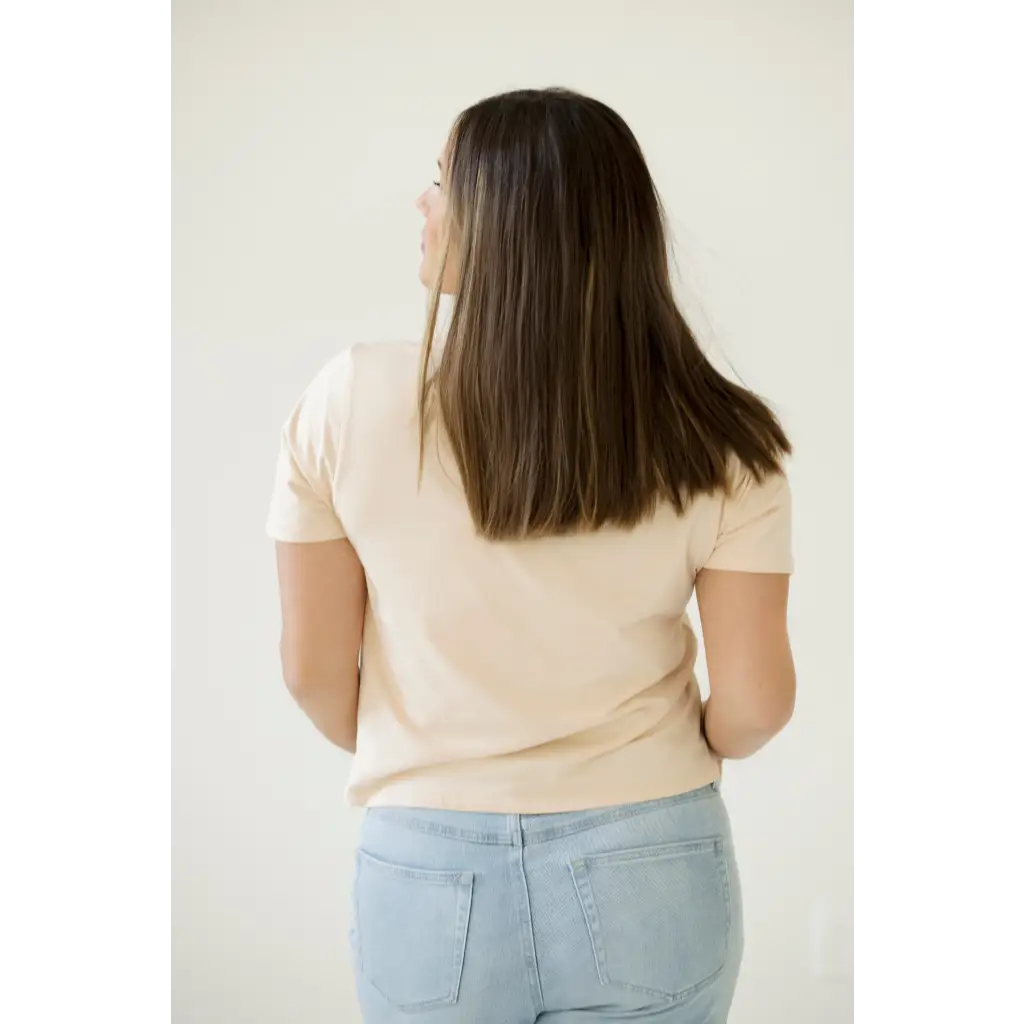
(303, 131)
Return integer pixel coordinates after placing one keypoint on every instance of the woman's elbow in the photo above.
(330, 701)
(310, 683)
(299, 678)
(305, 670)
(778, 702)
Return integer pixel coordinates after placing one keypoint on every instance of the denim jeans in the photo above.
(623, 913)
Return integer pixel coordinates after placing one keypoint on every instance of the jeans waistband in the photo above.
(514, 829)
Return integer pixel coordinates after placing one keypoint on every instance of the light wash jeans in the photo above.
(625, 913)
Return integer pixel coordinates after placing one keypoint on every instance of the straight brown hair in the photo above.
(570, 387)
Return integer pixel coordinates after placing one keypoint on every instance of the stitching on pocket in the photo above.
(419, 874)
(652, 853)
(460, 882)
(580, 869)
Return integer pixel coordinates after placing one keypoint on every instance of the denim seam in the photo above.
(441, 878)
(723, 868)
(709, 845)
(584, 893)
(358, 944)
(444, 831)
(528, 939)
(599, 818)
(461, 933)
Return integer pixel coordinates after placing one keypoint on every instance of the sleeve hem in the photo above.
(765, 569)
(290, 534)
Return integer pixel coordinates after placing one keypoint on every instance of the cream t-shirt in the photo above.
(512, 677)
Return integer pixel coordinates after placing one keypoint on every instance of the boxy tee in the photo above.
(534, 676)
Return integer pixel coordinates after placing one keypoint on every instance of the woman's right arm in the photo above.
(750, 665)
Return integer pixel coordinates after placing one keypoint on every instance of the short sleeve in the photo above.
(756, 529)
(302, 506)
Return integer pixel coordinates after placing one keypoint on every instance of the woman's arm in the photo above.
(323, 600)
(750, 665)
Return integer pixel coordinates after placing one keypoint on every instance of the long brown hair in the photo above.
(570, 387)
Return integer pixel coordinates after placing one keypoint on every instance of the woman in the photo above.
(528, 507)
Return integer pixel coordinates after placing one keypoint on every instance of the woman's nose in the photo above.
(421, 203)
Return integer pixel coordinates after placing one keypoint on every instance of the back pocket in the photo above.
(659, 917)
(410, 931)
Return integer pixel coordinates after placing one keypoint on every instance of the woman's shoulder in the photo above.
(742, 481)
(380, 370)
(366, 365)
(357, 368)
(386, 354)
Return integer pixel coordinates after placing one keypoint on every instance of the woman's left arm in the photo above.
(323, 601)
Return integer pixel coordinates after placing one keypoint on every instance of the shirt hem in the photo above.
(423, 797)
